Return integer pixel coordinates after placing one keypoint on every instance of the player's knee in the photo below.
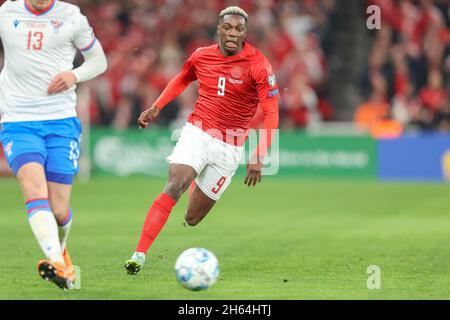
(34, 189)
(176, 187)
(174, 190)
(191, 220)
(60, 212)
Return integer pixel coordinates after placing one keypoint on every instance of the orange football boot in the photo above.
(67, 260)
(56, 273)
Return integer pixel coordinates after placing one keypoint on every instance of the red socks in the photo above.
(155, 221)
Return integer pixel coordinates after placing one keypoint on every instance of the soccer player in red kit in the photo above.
(233, 78)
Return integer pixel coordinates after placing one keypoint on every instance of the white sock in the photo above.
(64, 234)
(45, 229)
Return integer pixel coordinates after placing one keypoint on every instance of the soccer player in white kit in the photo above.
(39, 128)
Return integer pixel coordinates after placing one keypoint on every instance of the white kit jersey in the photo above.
(38, 46)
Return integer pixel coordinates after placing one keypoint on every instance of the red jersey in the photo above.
(230, 88)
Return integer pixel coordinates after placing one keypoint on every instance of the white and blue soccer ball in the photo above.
(197, 269)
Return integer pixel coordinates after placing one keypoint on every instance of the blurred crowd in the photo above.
(406, 84)
(147, 42)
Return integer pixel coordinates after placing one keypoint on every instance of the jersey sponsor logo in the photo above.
(35, 24)
(272, 80)
(16, 23)
(234, 81)
(8, 149)
(273, 93)
(56, 24)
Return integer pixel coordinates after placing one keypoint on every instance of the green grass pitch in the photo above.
(285, 239)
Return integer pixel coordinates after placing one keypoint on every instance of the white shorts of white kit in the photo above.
(214, 161)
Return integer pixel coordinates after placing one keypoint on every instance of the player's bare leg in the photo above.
(59, 198)
(32, 180)
(192, 188)
(180, 178)
(198, 207)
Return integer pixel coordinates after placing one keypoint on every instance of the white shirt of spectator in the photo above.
(37, 47)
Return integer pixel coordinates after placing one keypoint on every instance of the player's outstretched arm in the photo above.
(94, 64)
(173, 89)
(255, 165)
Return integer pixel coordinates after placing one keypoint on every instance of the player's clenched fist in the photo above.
(147, 116)
(62, 82)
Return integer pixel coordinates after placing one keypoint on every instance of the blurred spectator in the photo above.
(375, 108)
(301, 103)
(433, 95)
(442, 118)
(405, 105)
(412, 53)
(386, 128)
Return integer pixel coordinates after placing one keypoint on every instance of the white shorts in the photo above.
(214, 161)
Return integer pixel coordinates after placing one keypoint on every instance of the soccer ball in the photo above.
(197, 269)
